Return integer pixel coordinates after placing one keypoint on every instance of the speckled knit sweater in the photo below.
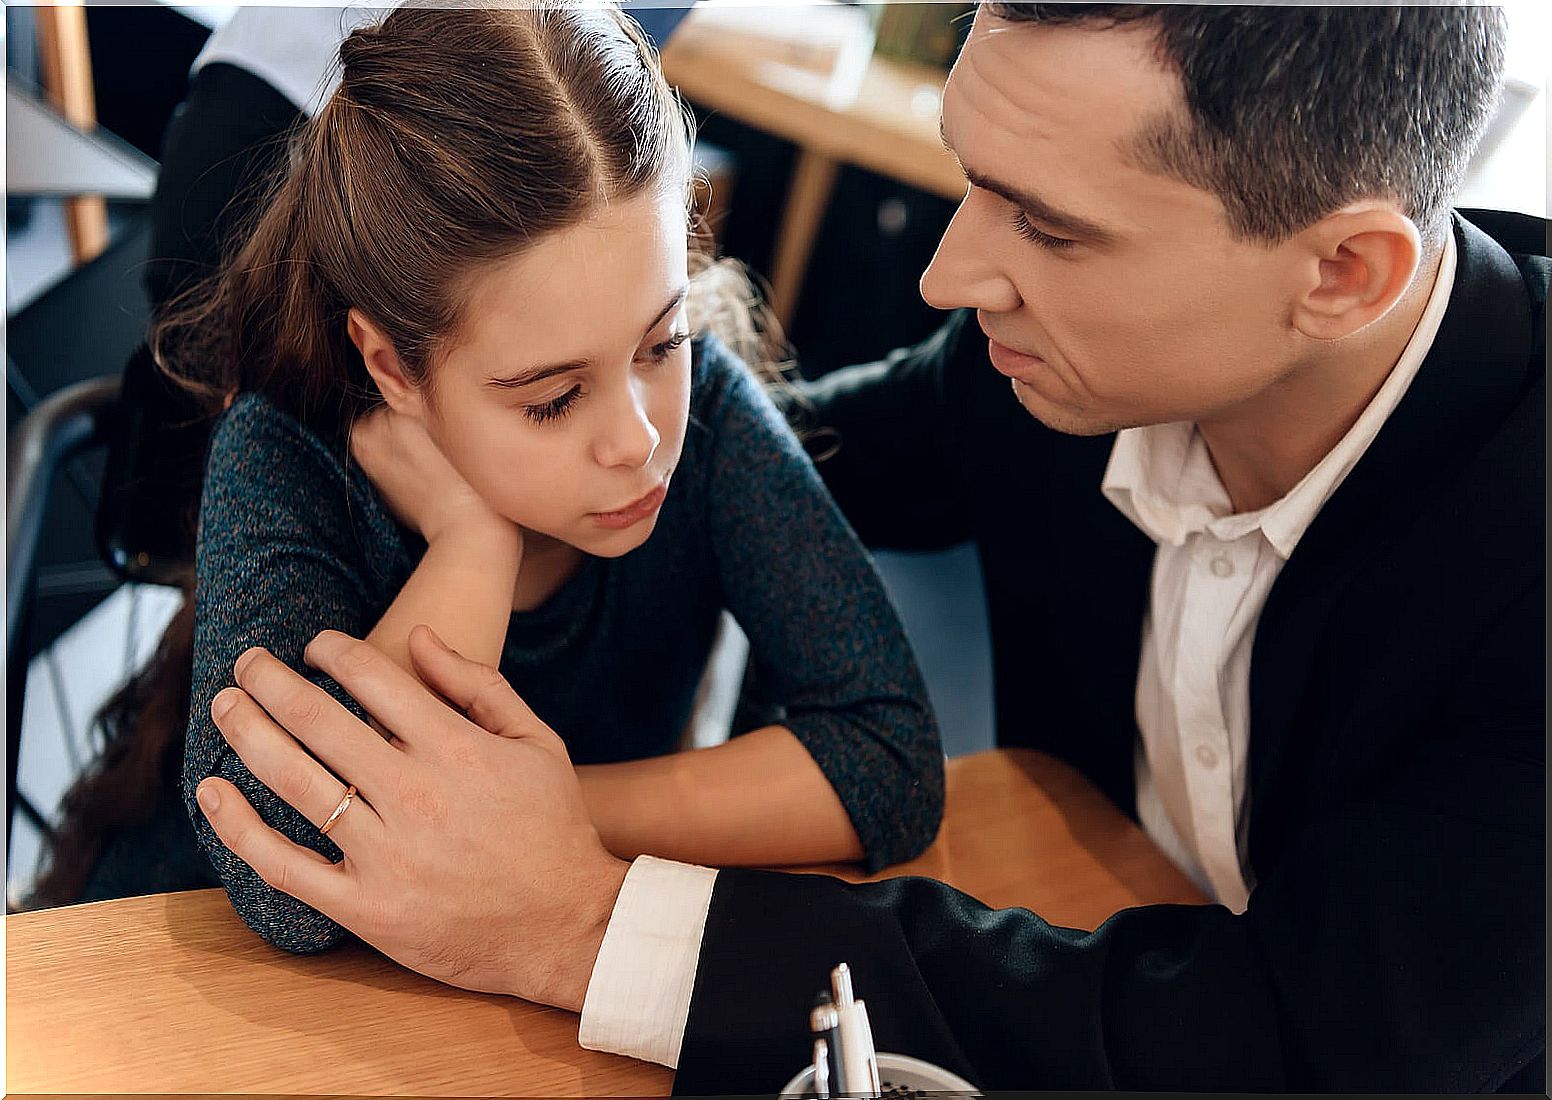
(294, 539)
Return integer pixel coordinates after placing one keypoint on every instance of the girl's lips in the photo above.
(1014, 364)
(634, 512)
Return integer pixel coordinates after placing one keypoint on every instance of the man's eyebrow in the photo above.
(550, 370)
(1070, 225)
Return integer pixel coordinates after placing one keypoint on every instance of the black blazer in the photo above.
(1395, 938)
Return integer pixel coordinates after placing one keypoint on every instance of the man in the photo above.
(1292, 613)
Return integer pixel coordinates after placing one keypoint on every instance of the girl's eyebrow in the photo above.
(539, 374)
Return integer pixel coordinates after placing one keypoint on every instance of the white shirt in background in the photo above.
(294, 49)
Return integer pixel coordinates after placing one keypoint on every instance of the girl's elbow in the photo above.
(280, 919)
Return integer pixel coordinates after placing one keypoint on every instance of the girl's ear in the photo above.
(382, 363)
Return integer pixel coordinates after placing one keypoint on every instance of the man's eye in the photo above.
(1033, 233)
(553, 410)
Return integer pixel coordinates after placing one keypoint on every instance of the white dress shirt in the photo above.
(1212, 574)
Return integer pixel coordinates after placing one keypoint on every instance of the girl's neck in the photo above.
(547, 564)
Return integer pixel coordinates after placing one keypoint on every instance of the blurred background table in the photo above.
(886, 122)
(173, 994)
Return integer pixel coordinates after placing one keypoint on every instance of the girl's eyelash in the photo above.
(553, 410)
(1034, 233)
(667, 347)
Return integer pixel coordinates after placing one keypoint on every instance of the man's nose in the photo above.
(963, 272)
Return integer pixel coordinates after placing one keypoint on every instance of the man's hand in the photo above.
(418, 483)
(469, 858)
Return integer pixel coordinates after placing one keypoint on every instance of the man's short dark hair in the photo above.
(1291, 113)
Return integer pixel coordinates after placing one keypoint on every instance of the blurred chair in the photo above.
(64, 354)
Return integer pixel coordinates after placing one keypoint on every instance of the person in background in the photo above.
(1251, 440)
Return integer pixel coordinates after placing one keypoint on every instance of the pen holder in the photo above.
(900, 1075)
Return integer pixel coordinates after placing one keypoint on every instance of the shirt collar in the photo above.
(1162, 479)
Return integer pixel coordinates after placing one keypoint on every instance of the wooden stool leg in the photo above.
(812, 180)
(67, 79)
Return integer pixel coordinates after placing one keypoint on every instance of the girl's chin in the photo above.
(605, 543)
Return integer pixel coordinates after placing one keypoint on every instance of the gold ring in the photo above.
(344, 804)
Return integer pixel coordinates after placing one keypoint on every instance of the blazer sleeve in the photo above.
(828, 647)
(277, 561)
(888, 439)
(1398, 945)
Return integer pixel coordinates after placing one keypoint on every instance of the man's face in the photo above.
(1113, 296)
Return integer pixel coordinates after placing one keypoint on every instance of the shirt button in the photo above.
(1222, 566)
(1206, 757)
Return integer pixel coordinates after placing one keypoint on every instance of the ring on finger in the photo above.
(344, 804)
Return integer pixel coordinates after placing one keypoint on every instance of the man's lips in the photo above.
(1015, 364)
(636, 511)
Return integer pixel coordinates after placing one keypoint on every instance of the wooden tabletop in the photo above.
(173, 994)
(889, 126)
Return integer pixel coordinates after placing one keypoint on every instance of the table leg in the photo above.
(812, 181)
(67, 78)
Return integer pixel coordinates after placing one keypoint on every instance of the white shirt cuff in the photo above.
(638, 998)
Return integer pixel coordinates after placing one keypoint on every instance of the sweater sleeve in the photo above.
(277, 561)
(828, 647)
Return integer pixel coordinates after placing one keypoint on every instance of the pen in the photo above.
(852, 1046)
(821, 1069)
(823, 1022)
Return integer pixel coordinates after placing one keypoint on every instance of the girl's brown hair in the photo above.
(457, 138)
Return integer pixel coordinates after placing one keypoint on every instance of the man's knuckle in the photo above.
(357, 657)
(295, 782)
(421, 805)
(460, 750)
(304, 709)
(491, 688)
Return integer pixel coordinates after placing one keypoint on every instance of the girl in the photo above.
(466, 390)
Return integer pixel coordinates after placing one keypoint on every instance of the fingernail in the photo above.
(224, 701)
(208, 797)
(315, 647)
(437, 638)
(247, 658)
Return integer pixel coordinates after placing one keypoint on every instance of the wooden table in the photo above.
(890, 127)
(172, 994)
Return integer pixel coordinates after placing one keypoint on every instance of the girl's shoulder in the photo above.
(272, 478)
(253, 430)
(712, 366)
(721, 382)
(257, 448)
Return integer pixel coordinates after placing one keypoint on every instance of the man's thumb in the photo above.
(478, 690)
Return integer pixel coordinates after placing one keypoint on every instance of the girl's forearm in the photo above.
(462, 589)
(759, 799)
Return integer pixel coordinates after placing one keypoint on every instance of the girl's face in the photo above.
(564, 399)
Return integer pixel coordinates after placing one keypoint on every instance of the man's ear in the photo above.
(383, 364)
(1359, 262)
